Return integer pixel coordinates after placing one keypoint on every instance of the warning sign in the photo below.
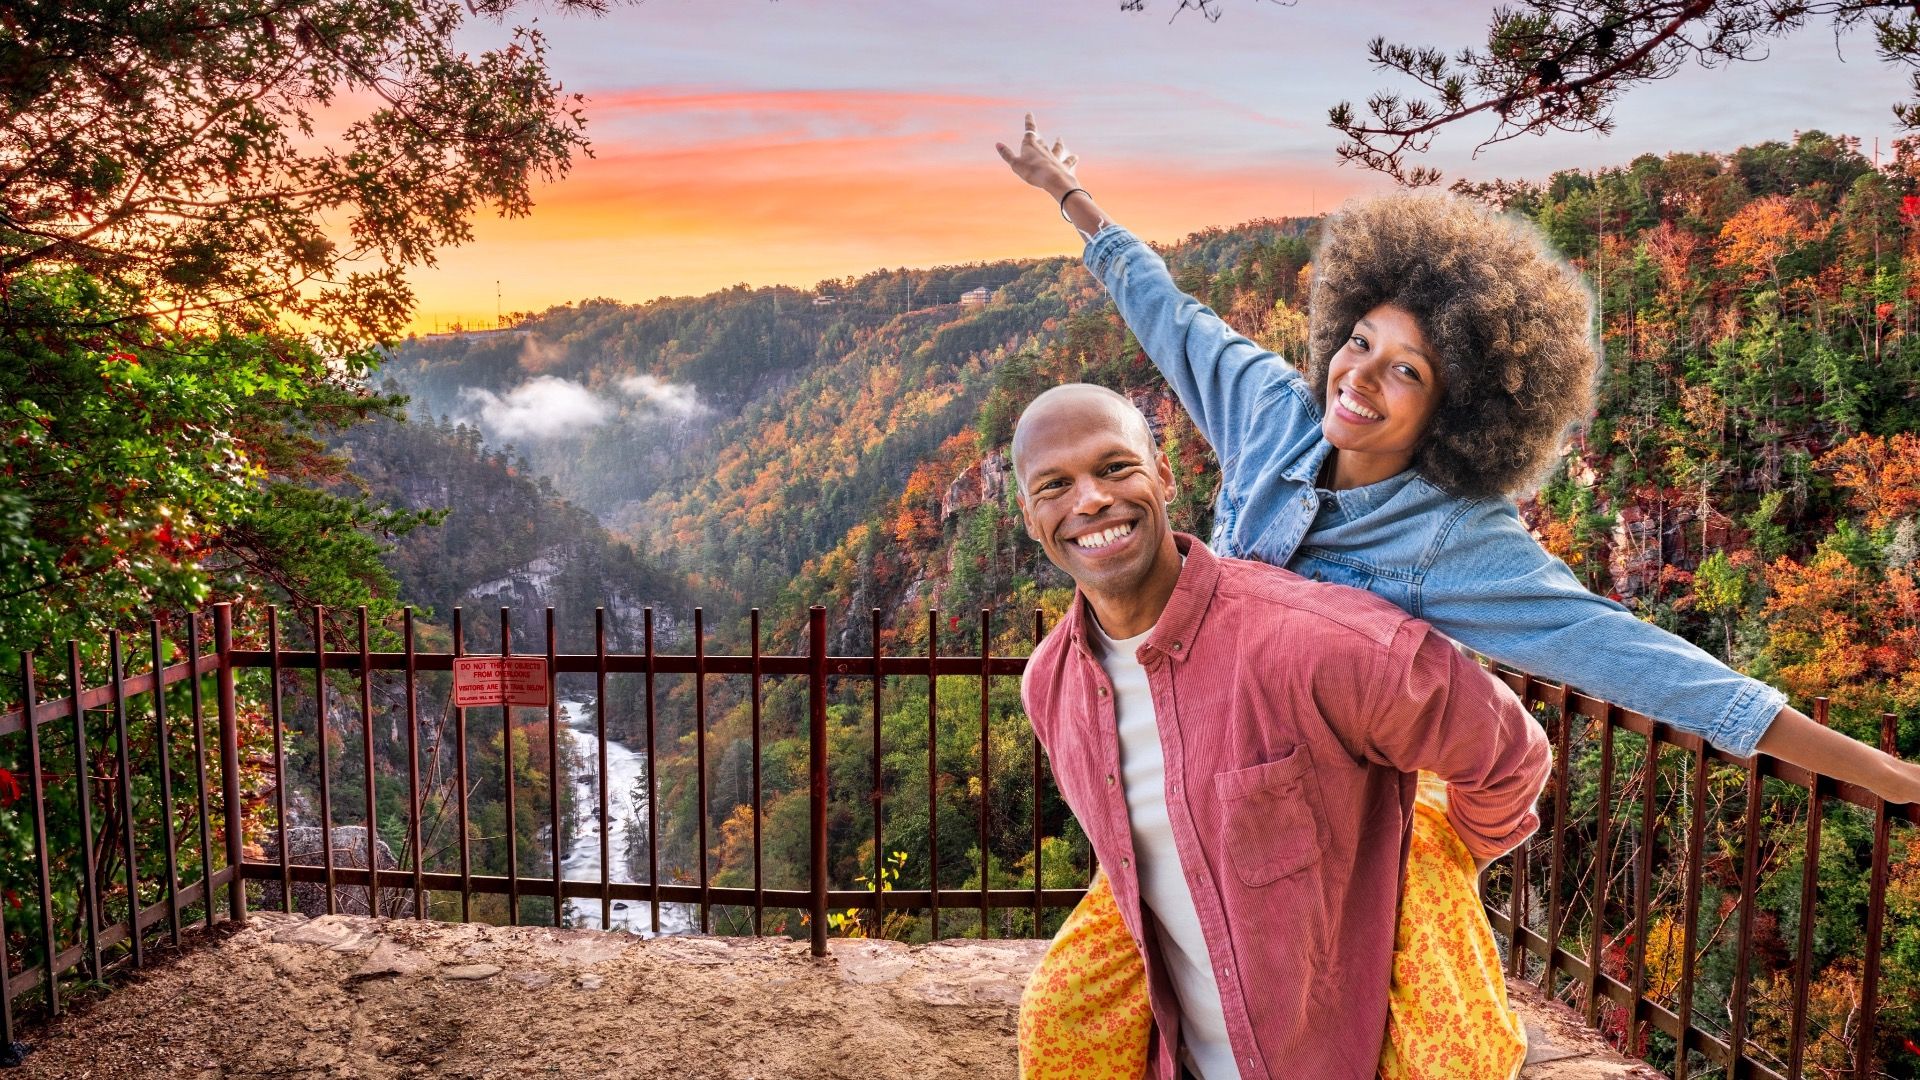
(499, 680)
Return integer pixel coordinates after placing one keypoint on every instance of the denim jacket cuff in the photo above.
(1747, 719)
(1106, 246)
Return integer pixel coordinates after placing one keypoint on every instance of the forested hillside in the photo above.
(507, 539)
(748, 431)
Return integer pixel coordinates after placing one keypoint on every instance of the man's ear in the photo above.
(1164, 467)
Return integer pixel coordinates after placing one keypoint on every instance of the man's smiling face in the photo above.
(1094, 492)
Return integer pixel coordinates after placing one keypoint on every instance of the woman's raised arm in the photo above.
(1223, 379)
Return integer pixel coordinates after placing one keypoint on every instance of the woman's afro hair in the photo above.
(1509, 322)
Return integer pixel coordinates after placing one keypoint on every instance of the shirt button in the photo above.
(1227, 972)
(1126, 864)
(1176, 646)
(1103, 691)
(1109, 779)
(1176, 789)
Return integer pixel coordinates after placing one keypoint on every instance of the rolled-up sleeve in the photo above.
(1435, 710)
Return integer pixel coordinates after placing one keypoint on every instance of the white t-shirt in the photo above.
(1163, 884)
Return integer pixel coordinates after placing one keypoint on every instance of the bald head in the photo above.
(1073, 404)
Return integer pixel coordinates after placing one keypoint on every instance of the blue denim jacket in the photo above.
(1467, 566)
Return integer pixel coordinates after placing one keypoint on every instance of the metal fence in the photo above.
(1555, 898)
(1532, 903)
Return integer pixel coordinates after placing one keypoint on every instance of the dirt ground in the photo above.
(348, 996)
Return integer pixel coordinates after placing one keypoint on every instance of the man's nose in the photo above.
(1090, 497)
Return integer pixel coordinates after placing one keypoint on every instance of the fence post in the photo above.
(817, 771)
(1863, 1046)
(230, 763)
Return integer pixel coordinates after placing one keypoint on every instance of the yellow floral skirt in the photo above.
(1085, 1014)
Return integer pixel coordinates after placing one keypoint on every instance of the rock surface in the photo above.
(351, 996)
(308, 845)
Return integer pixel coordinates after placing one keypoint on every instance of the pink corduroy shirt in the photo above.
(1293, 716)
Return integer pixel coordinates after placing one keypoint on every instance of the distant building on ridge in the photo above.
(976, 297)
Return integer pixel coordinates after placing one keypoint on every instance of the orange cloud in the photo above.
(799, 201)
(863, 104)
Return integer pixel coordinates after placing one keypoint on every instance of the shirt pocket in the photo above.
(1270, 819)
(1317, 568)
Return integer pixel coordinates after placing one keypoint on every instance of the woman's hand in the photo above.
(1048, 168)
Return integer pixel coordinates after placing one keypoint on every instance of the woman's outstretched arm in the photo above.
(1798, 738)
(1496, 591)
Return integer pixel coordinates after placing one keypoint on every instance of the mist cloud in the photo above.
(540, 408)
(538, 354)
(549, 407)
(673, 398)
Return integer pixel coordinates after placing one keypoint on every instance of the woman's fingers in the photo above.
(1033, 160)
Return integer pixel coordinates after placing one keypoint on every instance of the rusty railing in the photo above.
(1665, 786)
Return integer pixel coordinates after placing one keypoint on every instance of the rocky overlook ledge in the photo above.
(350, 996)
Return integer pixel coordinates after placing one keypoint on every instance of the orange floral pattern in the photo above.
(1085, 1015)
(1447, 1011)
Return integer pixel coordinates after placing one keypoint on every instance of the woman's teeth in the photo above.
(1355, 407)
(1102, 539)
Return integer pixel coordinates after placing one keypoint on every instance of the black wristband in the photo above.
(1069, 195)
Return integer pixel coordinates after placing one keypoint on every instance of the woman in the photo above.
(1448, 353)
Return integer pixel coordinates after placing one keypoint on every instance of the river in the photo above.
(626, 812)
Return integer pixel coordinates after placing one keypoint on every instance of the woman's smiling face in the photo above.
(1382, 388)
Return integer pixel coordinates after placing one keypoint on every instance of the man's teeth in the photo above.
(1355, 407)
(1102, 539)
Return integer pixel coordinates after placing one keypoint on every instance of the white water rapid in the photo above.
(626, 813)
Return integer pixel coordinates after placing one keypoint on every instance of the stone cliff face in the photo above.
(982, 482)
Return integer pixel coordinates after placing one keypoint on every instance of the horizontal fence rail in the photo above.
(1606, 907)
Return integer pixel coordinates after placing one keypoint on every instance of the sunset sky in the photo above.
(789, 141)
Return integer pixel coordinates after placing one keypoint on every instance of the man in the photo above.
(1240, 745)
